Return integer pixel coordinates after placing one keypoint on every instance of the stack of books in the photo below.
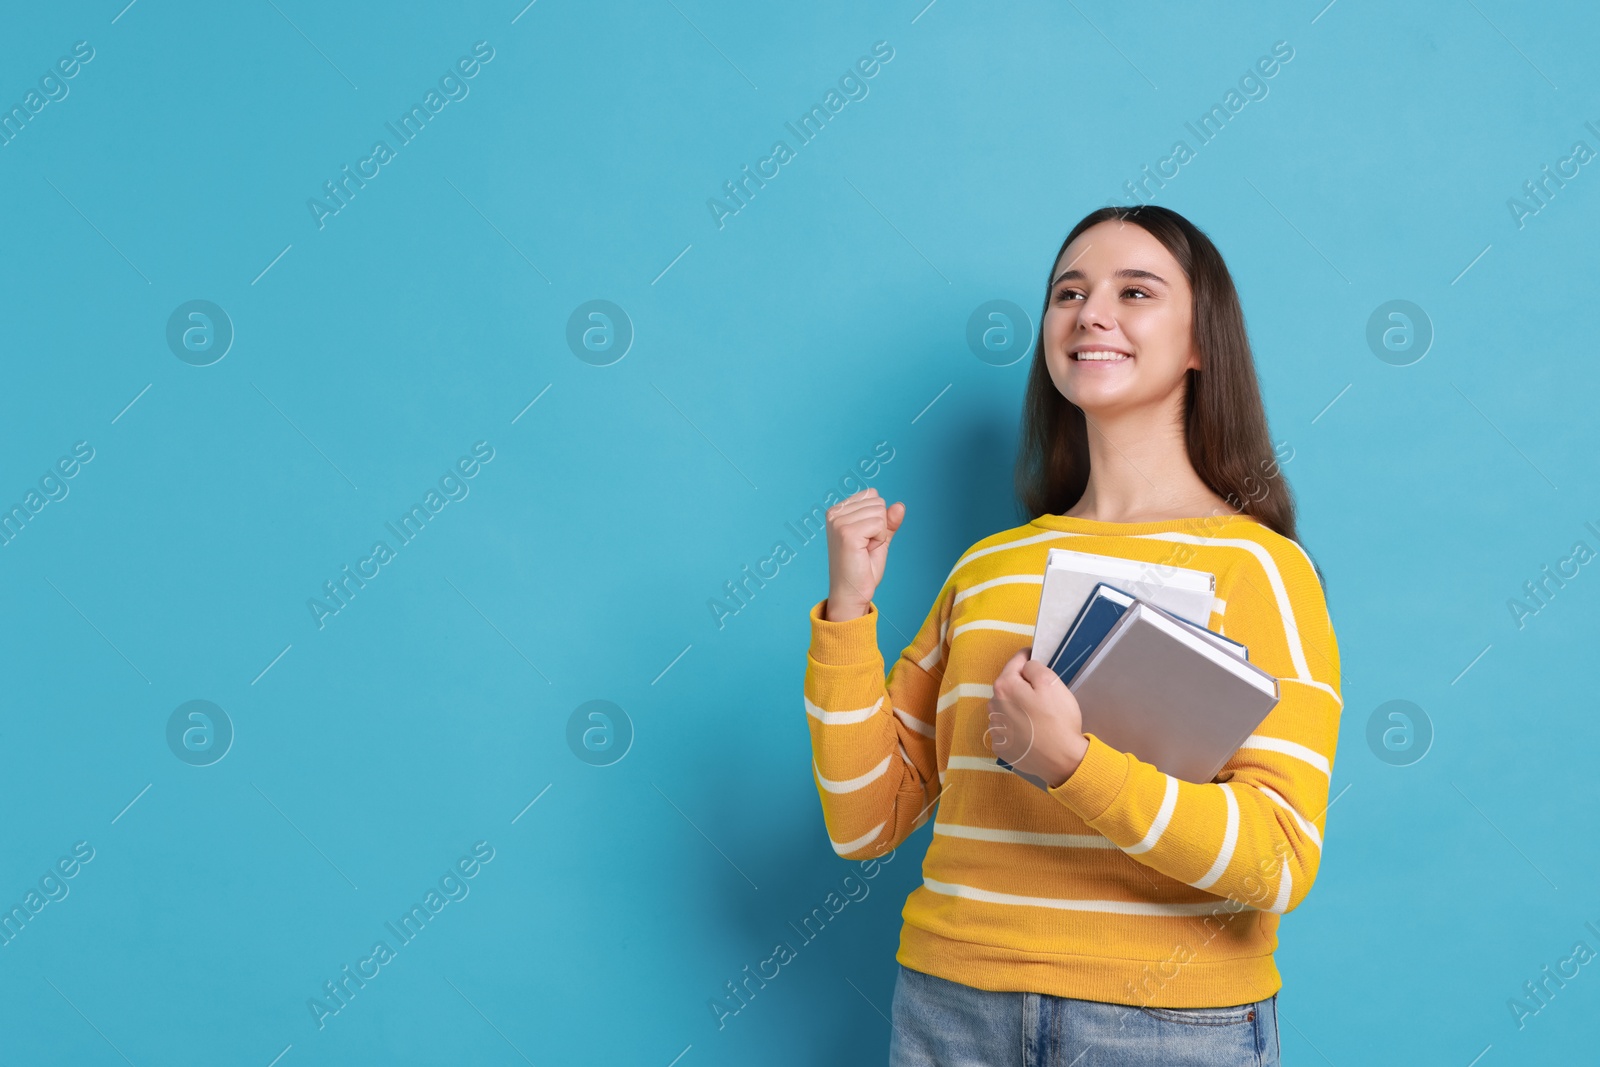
(1149, 678)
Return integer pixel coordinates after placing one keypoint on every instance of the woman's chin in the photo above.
(1096, 397)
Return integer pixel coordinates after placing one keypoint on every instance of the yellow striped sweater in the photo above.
(1123, 884)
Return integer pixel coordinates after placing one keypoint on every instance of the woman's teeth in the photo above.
(1101, 356)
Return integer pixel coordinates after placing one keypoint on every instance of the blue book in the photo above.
(1095, 619)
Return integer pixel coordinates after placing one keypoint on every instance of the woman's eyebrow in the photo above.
(1126, 272)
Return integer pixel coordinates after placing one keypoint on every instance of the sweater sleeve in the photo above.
(1254, 834)
(874, 753)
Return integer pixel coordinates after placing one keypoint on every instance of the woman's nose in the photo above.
(1094, 312)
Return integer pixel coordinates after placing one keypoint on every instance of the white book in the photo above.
(1070, 578)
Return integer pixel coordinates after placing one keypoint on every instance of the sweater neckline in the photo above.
(1187, 524)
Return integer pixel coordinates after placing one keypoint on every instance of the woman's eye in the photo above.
(1069, 294)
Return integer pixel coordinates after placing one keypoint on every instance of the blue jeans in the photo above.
(940, 1023)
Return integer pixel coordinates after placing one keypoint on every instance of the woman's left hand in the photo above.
(1034, 721)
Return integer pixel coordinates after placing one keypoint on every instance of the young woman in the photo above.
(1124, 916)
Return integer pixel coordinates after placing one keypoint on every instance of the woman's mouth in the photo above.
(1100, 355)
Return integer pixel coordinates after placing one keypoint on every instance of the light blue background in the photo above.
(772, 354)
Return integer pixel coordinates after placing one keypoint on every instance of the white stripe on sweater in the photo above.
(965, 689)
(861, 842)
(1289, 748)
(1285, 885)
(1004, 579)
(1224, 855)
(1115, 907)
(1158, 826)
(923, 728)
(974, 763)
(1022, 837)
(841, 718)
(927, 662)
(1324, 686)
(1023, 628)
(850, 785)
(1307, 828)
(1230, 840)
(1018, 543)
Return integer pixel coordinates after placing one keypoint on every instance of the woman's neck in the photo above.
(1139, 471)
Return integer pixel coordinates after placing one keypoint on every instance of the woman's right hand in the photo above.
(860, 528)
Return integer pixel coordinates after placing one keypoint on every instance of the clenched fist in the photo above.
(860, 528)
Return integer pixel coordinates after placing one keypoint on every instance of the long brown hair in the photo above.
(1225, 425)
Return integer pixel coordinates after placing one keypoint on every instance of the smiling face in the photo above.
(1118, 333)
